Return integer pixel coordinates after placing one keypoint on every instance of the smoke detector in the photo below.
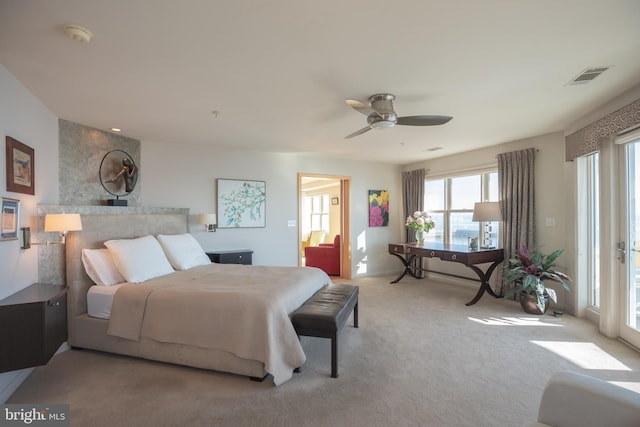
(78, 33)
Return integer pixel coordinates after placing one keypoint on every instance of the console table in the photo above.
(407, 252)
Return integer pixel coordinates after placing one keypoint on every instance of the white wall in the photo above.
(25, 119)
(181, 175)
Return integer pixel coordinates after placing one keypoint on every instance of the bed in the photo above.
(229, 318)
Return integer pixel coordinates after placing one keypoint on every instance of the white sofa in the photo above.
(575, 400)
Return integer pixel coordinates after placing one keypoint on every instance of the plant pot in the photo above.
(528, 304)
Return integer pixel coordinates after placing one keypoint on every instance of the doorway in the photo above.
(323, 214)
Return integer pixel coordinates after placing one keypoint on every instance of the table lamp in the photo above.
(486, 212)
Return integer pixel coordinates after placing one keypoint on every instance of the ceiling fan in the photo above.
(380, 114)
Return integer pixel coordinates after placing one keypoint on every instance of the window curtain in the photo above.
(516, 179)
(413, 196)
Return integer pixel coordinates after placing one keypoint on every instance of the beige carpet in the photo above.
(419, 358)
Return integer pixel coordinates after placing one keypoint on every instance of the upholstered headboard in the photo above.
(96, 229)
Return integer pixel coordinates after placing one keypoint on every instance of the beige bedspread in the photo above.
(236, 308)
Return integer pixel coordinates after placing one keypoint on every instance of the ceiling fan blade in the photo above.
(362, 108)
(358, 132)
(423, 120)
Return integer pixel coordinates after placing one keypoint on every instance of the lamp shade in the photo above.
(207, 219)
(487, 211)
(62, 222)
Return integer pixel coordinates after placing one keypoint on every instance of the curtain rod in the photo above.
(536, 149)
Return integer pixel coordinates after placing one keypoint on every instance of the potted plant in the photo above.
(421, 223)
(527, 273)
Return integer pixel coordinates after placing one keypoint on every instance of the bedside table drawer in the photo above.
(243, 256)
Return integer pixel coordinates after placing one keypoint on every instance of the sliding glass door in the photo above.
(629, 244)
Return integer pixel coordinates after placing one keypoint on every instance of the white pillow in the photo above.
(139, 259)
(183, 251)
(99, 265)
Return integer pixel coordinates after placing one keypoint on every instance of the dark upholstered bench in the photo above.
(324, 315)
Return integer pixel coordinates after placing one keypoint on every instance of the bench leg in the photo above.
(334, 355)
(355, 315)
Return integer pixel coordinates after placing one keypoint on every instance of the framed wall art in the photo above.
(20, 167)
(10, 212)
(241, 203)
(378, 208)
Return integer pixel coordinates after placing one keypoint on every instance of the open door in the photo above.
(323, 213)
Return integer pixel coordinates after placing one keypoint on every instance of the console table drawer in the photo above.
(427, 253)
(397, 249)
(455, 257)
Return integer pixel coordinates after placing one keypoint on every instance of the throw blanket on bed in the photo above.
(240, 309)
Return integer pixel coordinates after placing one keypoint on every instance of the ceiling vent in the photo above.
(587, 75)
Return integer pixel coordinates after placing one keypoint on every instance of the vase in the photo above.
(420, 236)
(529, 305)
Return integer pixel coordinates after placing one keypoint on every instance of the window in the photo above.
(315, 213)
(450, 202)
(593, 229)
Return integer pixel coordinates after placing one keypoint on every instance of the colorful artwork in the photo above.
(9, 214)
(241, 203)
(378, 208)
(20, 167)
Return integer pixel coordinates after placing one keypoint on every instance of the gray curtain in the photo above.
(413, 196)
(516, 179)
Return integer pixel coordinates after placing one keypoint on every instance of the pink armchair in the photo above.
(326, 257)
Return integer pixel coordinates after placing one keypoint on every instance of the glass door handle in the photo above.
(622, 252)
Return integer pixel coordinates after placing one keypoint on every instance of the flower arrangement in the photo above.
(528, 271)
(420, 221)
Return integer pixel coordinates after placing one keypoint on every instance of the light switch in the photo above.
(291, 223)
(551, 222)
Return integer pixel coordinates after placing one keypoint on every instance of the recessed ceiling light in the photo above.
(78, 33)
(116, 129)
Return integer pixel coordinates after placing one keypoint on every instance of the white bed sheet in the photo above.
(100, 299)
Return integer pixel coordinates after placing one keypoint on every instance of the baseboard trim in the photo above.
(14, 379)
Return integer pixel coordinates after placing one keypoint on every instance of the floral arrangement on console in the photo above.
(420, 222)
(528, 271)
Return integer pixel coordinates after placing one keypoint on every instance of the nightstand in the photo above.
(33, 325)
(240, 256)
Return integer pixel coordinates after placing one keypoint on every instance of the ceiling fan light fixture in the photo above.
(383, 124)
(380, 115)
(78, 33)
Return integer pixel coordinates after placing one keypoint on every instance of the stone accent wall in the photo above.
(82, 148)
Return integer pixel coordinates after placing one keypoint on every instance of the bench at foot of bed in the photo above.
(324, 315)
